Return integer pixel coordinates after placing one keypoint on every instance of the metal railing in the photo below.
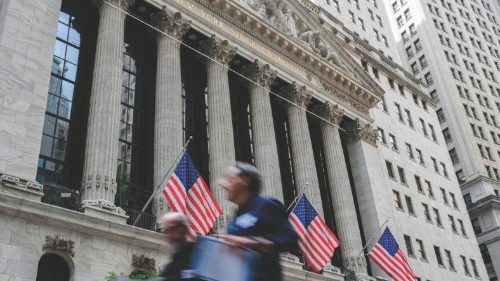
(147, 220)
(61, 196)
(68, 198)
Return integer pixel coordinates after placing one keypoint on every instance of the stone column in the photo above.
(340, 188)
(304, 166)
(369, 181)
(220, 125)
(264, 138)
(168, 136)
(101, 152)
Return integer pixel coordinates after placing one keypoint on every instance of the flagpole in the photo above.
(302, 191)
(373, 236)
(161, 183)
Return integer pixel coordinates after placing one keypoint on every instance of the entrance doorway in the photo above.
(52, 267)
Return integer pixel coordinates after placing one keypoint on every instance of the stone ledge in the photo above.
(104, 214)
(52, 215)
(20, 187)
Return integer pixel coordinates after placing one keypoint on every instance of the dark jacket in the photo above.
(180, 261)
(266, 217)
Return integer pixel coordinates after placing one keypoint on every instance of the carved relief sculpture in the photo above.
(312, 39)
(291, 28)
(59, 244)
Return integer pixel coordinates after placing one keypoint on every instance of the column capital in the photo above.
(124, 4)
(331, 112)
(170, 22)
(299, 95)
(260, 73)
(218, 49)
(363, 131)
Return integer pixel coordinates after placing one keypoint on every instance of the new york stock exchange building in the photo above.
(101, 97)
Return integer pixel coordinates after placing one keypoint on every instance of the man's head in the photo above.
(241, 182)
(174, 227)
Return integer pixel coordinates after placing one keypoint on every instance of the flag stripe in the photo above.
(316, 241)
(389, 257)
(187, 192)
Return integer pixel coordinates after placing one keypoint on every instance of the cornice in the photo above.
(292, 49)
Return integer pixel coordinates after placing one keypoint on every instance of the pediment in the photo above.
(304, 26)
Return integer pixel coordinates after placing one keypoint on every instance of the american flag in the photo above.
(387, 255)
(316, 241)
(187, 192)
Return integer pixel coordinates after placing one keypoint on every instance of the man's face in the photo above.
(234, 184)
(174, 232)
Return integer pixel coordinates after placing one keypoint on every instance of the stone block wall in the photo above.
(27, 37)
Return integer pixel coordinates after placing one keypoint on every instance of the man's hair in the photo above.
(252, 173)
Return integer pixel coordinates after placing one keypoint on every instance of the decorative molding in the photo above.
(298, 95)
(143, 264)
(59, 244)
(358, 130)
(20, 187)
(171, 23)
(218, 49)
(260, 73)
(349, 100)
(331, 112)
(124, 4)
(103, 205)
(248, 21)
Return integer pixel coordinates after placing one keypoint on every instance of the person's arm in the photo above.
(279, 236)
(282, 235)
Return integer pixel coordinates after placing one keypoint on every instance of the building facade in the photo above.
(99, 99)
(453, 47)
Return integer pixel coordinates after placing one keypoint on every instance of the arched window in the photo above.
(52, 267)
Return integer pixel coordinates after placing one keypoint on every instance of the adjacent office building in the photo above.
(454, 48)
(98, 98)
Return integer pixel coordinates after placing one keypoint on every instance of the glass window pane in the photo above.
(72, 54)
(64, 108)
(129, 133)
(67, 90)
(55, 85)
(69, 71)
(124, 95)
(74, 37)
(52, 104)
(49, 125)
(63, 17)
(123, 131)
(46, 147)
(59, 168)
(131, 84)
(40, 162)
(62, 31)
(57, 65)
(132, 65)
(131, 97)
(125, 79)
(59, 149)
(62, 129)
(60, 49)
(51, 166)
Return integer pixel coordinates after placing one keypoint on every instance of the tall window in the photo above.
(195, 110)
(240, 112)
(134, 175)
(56, 163)
(439, 258)
(421, 249)
(409, 246)
(128, 109)
(449, 259)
